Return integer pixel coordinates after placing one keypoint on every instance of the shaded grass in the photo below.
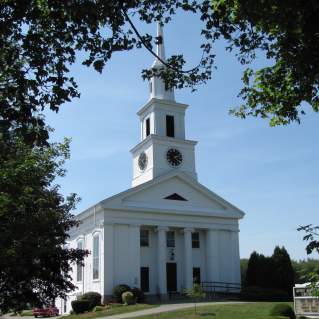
(113, 309)
(260, 310)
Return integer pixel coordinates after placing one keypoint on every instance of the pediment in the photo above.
(173, 192)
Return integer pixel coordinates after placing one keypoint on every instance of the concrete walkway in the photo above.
(166, 308)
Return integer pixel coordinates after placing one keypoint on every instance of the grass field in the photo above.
(113, 310)
(258, 310)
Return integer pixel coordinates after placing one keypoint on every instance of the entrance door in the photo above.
(171, 277)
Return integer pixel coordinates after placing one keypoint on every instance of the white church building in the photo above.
(167, 230)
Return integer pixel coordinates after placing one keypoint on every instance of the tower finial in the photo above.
(157, 85)
(160, 50)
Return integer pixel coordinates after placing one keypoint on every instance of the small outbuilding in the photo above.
(305, 302)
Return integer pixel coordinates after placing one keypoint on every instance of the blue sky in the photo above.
(270, 173)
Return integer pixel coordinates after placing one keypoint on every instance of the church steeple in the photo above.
(157, 85)
(163, 146)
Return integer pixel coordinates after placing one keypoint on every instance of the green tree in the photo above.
(283, 271)
(252, 270)
(303, 269)
(35, 262)
(274, 272)
(196, 293)
(243, 270)
(311, 236)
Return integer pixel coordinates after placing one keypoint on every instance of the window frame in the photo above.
(145, 268)
(147, 127)
(79, 267)
(147, 238)
(170, 125)
(96, 257)
(195, 269)
(195, 241)
(170, 242)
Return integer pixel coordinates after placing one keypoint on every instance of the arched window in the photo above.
(96, 257)
(79, 267)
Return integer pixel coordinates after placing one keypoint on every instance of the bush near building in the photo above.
(119, 290)
(80, 306)
(94, 299)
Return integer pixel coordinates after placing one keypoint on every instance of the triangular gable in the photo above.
(150, 196)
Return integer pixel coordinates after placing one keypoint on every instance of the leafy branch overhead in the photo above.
(40, 39)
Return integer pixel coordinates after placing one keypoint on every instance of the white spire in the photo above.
(160, 49)
(157, 85)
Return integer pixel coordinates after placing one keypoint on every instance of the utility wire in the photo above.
(153, 53)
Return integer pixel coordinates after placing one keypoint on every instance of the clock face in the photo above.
(174, 157)
(142, 161)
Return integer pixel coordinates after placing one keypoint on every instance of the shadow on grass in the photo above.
(205, 314)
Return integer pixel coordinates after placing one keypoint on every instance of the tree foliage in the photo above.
(274, 272)
(312, 233)
(41, 39)
(311, 236)
(304, 268)
(35, 262)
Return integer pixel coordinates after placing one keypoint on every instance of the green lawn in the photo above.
(113, 310)
(258, 310)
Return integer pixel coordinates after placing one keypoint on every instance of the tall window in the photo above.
(170, 239)
(195, 240)
(196, 275)
(96, 257)
(79, 267)
(148, 127)
(144, 238)
(170, 129)
(145, 281)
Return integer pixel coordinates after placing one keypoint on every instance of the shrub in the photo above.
(118, 291)
(128, 298)
(80, 306)
(94, 298)
(138, 294)
(283, 310)
(263, 294)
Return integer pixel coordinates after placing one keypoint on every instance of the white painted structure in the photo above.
(306, 303)
(166, 229)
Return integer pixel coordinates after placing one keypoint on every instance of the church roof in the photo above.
(150, 197)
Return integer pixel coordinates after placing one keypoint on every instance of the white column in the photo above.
(135, 256)
(161, 259)
(236, 278)
(188, 260)
(212, 255)
(108, 259)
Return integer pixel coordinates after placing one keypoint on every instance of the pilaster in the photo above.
(188, 260)
(161, 258)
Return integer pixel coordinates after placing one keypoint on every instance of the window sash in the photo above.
(96, 257)
(145, 279)
(170, 239)
(170, 127)
(144, 238)
(195, 240)
(79, 267)
(148, 127)
(196, 275)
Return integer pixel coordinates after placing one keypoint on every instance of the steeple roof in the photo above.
(160, 47)
(158, 89)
